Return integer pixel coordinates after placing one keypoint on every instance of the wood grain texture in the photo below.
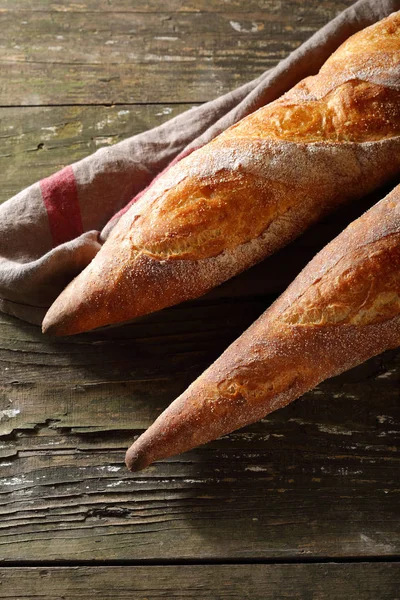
(259, 582)
(317, 479)
(36, 142)
(62, 56)
(153, 6)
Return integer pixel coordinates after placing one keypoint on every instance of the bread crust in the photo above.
(343, 308)
(332, 138)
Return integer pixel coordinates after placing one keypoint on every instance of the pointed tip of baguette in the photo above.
(67, 315)
(92, 300)
(136, 459)
(57, 325)
(116, 288)
(49, 327)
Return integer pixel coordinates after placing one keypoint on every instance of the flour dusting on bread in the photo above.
(333, 138)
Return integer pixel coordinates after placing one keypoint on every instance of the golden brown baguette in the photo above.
(343, 308)
(258, 185)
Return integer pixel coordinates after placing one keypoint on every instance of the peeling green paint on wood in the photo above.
(37, 141)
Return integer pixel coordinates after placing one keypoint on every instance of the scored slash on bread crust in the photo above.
(333, 137)
(342, 309)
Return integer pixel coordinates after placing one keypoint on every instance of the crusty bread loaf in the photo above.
(258, 185)
(343, 308)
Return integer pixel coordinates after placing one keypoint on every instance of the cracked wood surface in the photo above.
(316, 480)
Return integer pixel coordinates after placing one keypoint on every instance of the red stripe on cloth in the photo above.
(60, 197)
(140, 194)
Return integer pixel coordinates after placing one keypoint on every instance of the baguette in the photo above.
(332, 138)
(342, 309)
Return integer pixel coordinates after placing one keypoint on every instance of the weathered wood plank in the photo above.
(36, 142)
(331, 581)
(131, 405)
(158, 354)
(129, 399)
(219, 504)
(137, 6)
(133, 58)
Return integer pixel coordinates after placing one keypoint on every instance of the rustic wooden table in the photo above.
(304, 504)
